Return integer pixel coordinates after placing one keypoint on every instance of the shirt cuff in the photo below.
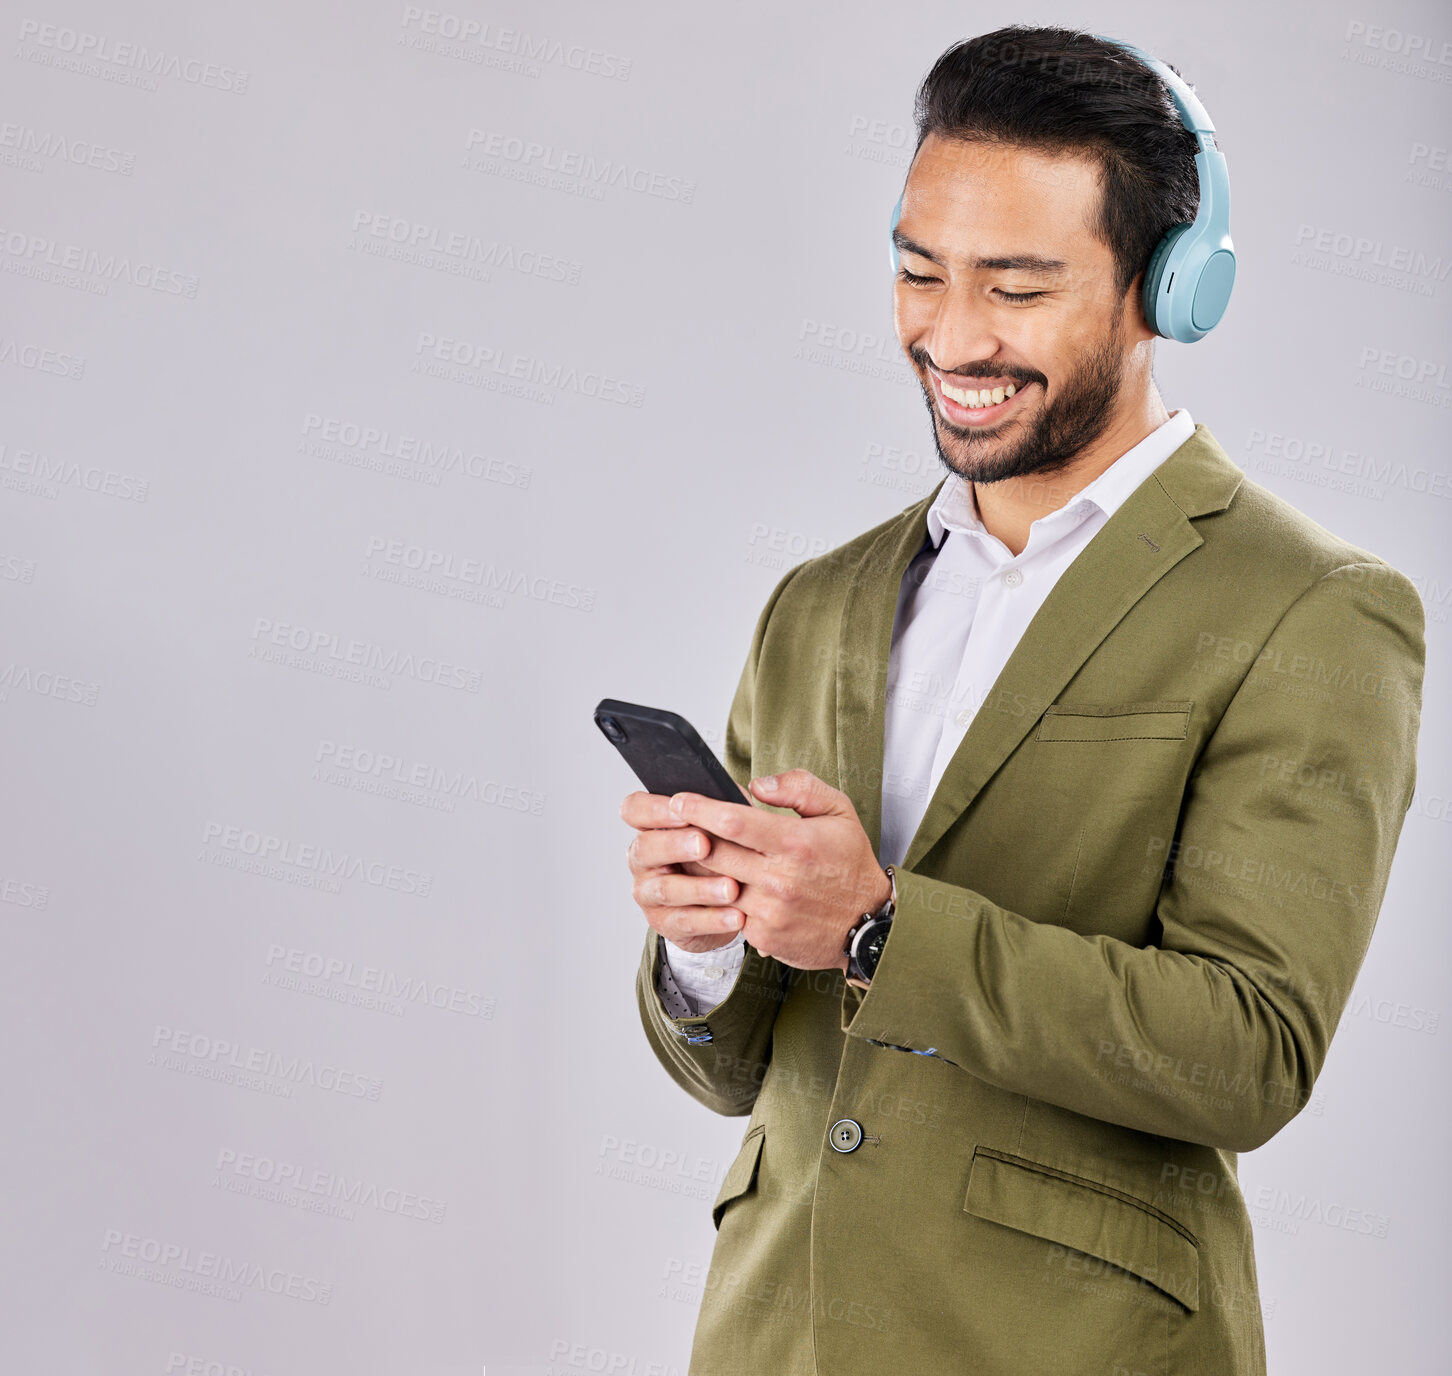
(691, 983)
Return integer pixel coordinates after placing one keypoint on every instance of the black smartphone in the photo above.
(665, 751)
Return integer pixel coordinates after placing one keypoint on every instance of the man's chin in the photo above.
(971, 452)
(967, 435)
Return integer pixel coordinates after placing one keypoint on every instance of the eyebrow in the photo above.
(1018, 262)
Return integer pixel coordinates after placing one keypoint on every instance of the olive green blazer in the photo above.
(1127, 928)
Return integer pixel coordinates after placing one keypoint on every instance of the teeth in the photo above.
(979, 398)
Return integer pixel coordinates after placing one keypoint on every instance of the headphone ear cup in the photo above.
(1156, 304)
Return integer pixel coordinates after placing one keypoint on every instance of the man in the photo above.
(1131, 742)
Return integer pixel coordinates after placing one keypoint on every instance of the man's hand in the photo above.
(686, 902)
(801, 881)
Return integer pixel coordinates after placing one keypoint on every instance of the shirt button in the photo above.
(1012, 577)
(964, 717)
(714, 972)
(846, 1134)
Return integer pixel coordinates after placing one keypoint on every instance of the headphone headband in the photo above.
(1194, 116)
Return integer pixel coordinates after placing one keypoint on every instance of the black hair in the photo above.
(1065, 91)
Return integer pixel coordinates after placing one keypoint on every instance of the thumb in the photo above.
(804, 793)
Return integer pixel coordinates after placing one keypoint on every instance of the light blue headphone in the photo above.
(1192, 269)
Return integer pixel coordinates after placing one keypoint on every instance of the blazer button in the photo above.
(846, 1135)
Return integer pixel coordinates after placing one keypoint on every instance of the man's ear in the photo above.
(1137, 327)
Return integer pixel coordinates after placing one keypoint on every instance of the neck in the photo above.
(1009, 507)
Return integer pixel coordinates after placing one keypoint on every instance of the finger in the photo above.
(665, 888)
(804, 793)
(741, 863)
(680, 925)
(648, 810)
(752, 827)
(696, 852)
(667, 846)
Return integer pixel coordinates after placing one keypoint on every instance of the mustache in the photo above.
(984, 368)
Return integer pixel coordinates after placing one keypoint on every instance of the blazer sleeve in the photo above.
(1216, 1034)
(720, 1058)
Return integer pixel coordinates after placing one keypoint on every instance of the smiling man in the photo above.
(1076, 788)
(1061, 313)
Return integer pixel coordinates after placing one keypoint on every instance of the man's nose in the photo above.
(962, 333)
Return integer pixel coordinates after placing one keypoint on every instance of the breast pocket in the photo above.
(1082, 1218)
(1109, 780)
(1121, 721)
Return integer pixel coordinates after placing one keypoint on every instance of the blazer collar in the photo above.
(1146, 537)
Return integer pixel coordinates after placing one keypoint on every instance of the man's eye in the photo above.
(1017, 297)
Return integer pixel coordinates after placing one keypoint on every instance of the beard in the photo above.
(1046, 443)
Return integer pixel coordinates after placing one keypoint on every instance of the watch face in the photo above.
(874, 938)
(872, 948)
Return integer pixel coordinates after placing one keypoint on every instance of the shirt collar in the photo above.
(955, 509)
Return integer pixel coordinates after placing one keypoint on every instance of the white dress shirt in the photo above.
(964, 602)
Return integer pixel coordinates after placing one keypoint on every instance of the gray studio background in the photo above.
(357, 437)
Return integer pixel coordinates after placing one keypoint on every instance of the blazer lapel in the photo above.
(864, 645)
(1145, 538)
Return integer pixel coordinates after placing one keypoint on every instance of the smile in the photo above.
(975, 406)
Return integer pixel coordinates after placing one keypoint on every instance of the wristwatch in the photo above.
(868, 936)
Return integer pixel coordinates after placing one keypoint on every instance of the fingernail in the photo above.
(698, 845)
(731, 919)
(723, 889)
(768, 783)
(678, 801)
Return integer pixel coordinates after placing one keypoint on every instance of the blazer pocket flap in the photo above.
(742, 1174)
(1124, 721)
(1079, 1213)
